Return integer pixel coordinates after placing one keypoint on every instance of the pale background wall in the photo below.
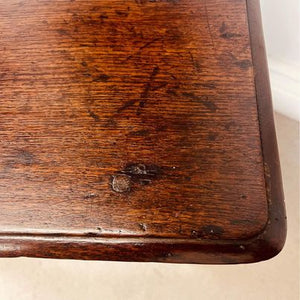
(277, 279)
(281, 20)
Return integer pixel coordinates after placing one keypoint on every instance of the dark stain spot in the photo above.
(229, 35)
(84, 63)
(212, 136)
(90, 196)
(225, 34)
(91, 234)
(243, 64)
(223, 28)
(201, 99)
(187, 178)
(243, 197)
(122, 13)
(94, 116)
(138, 111)
(161, 127)
(103, 17)
(111, 123)
(144, 132)
(121, 183)
(84, 45)
(2, 75)
(25, 157)
(154, 72)
(175, 34)
(180, 231)
(128, 57)
(171, 92)
(63, 32)
(229, 125)
(101, 78)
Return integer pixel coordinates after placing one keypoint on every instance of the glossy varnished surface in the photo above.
(125, 120)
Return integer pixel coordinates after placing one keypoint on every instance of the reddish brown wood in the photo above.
(137, 130)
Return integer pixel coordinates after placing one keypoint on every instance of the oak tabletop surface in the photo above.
(126, 120)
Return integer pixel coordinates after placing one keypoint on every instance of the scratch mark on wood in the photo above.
(148, 43)
(144, 94)
(141, 48)
(208, 26)
(201, 99)
(194, 62)
(126, 105)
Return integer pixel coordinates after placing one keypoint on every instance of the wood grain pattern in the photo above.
(130, 131)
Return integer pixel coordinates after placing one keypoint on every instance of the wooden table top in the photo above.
(137, 130)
